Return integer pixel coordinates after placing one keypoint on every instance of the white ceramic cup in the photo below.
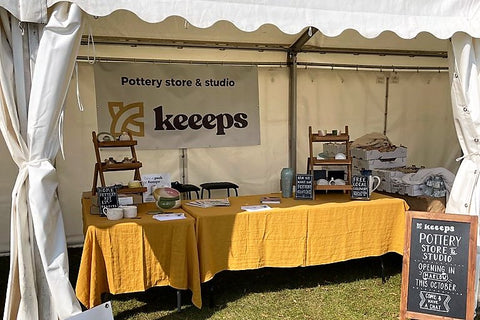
(114, 213)
(371, 183)
(129, 211)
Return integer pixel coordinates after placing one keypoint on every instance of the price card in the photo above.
(360, 188)
(304, 186)
(107, 198)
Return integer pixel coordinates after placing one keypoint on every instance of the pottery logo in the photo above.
(124, 118)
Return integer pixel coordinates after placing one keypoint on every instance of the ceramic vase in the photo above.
(286, 181)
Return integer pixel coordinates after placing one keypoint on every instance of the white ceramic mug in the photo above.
(129, 211)
(114, 213)
(371, 183)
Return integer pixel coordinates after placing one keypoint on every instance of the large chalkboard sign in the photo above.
(360, 188)
(304, 186)
(439, 266)
(107, 198)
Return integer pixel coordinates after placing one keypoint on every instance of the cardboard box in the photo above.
(388, 175)
(414, 190)
(385, 186)
(398, 187)
(364, 154)
(379, 163)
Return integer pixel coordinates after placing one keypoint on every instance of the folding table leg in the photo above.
(179, 300)
(383, 270)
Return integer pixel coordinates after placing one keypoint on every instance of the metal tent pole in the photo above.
(292, 112)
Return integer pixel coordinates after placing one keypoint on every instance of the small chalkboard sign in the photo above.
(360, 188)
(107, 198)
(439, 266)
(304, 186)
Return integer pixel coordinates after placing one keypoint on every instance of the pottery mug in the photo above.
(372, 186)
(129, 211)
(114, 213)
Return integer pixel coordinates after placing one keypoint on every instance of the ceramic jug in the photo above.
(373, 181)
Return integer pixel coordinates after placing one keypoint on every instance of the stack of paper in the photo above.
(256, 207)
(270, 199)
(207, 203)
(168, 216)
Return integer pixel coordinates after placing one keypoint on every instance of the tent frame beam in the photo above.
(138, 42)
(333, 66)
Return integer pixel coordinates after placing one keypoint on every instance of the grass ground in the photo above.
(348, 290)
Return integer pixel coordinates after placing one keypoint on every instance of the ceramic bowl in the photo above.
(165, 203)
(322, 182)
(135, 184)
(166, 192)
(167, 198)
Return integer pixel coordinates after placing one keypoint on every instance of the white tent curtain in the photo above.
(39, 286)
(464, 69)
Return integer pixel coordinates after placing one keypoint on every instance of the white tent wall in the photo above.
(331, 99)
(419, 111)
(420, 118)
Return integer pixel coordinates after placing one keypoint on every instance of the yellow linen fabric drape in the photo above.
(294, 233)
(131, 255)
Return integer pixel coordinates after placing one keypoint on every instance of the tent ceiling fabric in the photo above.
(407, 18)
(176, 31)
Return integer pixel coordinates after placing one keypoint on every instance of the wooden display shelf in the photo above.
(127, 190)
(103, 166)
(346, 187)
(120, 166)
(343, 137)
(328, 162)
(330, 137)
(116, 144)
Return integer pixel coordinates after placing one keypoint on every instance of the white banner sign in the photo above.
(178, 106)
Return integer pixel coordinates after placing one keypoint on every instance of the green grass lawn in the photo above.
(346, 290)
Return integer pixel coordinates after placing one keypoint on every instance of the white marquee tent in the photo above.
(39, 45)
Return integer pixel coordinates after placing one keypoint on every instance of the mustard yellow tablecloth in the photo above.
(131, 255)
(331, 228)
